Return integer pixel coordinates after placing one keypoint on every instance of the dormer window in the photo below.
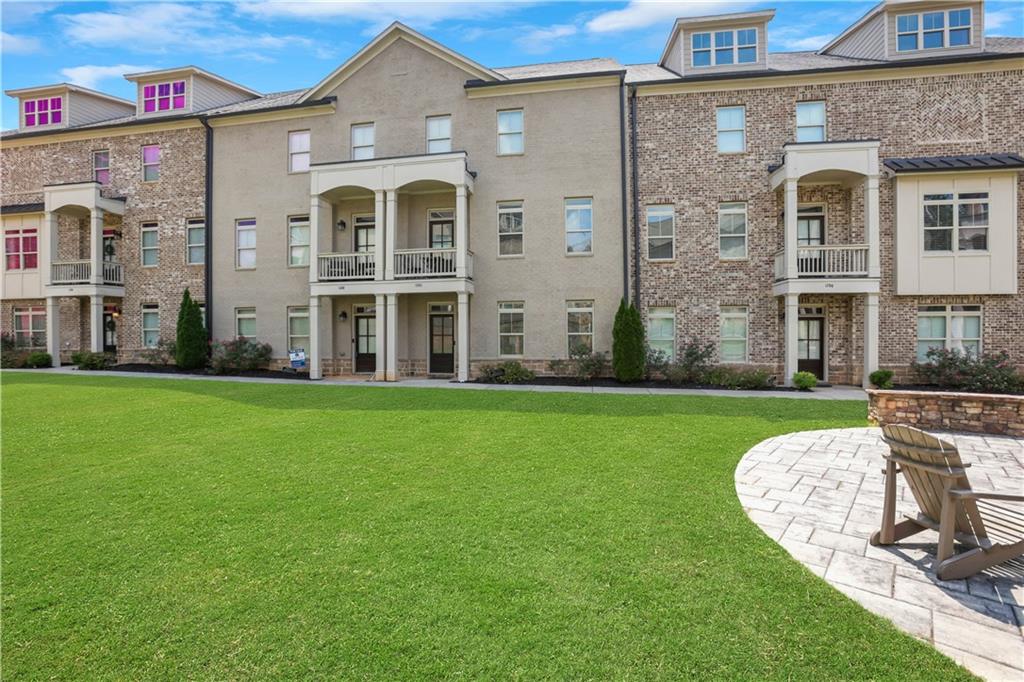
(729, 47)
(43, 112)
(168, 96)
(932, 30)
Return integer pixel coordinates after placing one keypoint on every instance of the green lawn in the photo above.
(192, 529)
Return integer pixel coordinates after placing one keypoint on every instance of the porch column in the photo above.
(461, 230)
(96, 246)
(378, 221)
(49, 240)
(792, 332)
(462, 338)
(380, 374)
(319, 210)
(313, 358)
(870, 337)
(790, 233)
(871, 225)
(53, 329)
(390, 229)
(96, 324)
(391, 373)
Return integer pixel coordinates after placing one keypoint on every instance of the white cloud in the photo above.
(23, 12)
(90, 75)
(644, 13)
(13, 44)
(1002, 18)
(541, 40)
(796, 39)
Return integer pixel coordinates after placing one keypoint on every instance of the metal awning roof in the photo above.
(954, 163)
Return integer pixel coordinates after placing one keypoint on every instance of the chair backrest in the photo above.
(927, 482)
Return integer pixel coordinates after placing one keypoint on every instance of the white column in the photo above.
(378, 225)
(461, 230)
(382, 356)
(313, 357)
(48, 243)
(790, 234)
(96, 324)
(792, 331)
(96, 245)
(53, 329)
(871, 225)
(390, 230)
(870, 337)
(391, 373)
(319, 211)
(462, 337)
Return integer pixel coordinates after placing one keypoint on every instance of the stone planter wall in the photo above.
(974, 412)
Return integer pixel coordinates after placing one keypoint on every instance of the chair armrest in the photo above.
(979, 495)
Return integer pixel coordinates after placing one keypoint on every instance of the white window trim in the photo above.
(949, 314)
(578, 306)
(945, 30)
(438, 139)
(743, 130)
(659, 313)
(154, 227)
(521, 133)
(735, 47)
(745, 316)
(522, 311)
(672, 237)
(32, 312)
(293, 313)
(243, 314)
(746, 229)
(565, 227)
(96, 169)
(955, 228)
(293, 154)
(238, 247)
(352, 140)
(824, 121)
(362, 220)
(522, 226)
(298, 220)
(150, 308)
(190, 225)
(160, 158)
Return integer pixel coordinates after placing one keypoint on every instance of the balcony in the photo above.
(80, 272)
(339, 267)
(825, 261)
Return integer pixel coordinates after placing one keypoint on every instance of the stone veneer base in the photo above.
(995, 414)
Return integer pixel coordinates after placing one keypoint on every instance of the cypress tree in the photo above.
(190, 345)
(628, 353)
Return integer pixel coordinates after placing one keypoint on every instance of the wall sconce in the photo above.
(342, 225)
(343, 315)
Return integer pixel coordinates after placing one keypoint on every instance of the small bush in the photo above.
(88, 360)
(738, 378)
(656, 362)
(506, 373)
(881, 378)
(191, 347)
(582, 365)
(805, 381)
(11, 357)
(987, 373)
(38, 359)
(239, 355)
(162, 353)
(692, 365)
(628, 348)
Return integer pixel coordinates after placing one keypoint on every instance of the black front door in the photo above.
(442, 234)
(810, 231)
(109, 333)
(811, 346)
(366, 343)
(442, 344)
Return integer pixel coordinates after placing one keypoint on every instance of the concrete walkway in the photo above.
(819, 495)
(830, 393)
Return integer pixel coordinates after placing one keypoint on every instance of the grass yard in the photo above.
(197, 529)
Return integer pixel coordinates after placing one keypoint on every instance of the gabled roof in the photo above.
(868, 16)
(189, 69)
(952, 163)
(733, 17)
(385, 38)
(71, 87)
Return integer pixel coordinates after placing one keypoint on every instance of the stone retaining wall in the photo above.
(974, 412)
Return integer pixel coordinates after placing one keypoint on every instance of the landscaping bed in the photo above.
(205, 371)
(608, 382)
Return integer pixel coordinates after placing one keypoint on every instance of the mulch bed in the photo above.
(171, 369)
(612, 383)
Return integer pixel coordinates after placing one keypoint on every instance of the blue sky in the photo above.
(272, 45)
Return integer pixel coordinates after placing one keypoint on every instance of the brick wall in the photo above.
(975, 412)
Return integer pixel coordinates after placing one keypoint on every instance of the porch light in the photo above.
(342, 225)
(343, 315)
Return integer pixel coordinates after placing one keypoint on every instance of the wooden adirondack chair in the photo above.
(937, 477)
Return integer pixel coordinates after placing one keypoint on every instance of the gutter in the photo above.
(625, 198)
(208, 220)
(476, 83)
(636, 196)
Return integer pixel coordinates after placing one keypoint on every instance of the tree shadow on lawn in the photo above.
(414, 399)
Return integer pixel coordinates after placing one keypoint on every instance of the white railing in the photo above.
(113, 273)
(826, 261)
(72, 272)
(412, 263)
(335, 266)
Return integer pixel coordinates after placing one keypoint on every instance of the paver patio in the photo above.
(819, 494)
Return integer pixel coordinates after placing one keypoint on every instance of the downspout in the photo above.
(208, 220)
(625, 195)
(636, 196)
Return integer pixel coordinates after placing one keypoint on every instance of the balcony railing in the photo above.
(415, 263)
(346, 266)
(80, 272)
(826, 261)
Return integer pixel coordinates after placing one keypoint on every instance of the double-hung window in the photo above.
(511, 333)
(510, 228)
(952, 327)
(510, 131)
(245, 323)
(298, 240)
(965, 213)
(732, 231)
(43, 112)
(733, 333)
(298, 329)
(101, 166)
(150, 244)
(362, 141)
(30, 327)
(661, 331)
(151, 162)
(298, 151)
(661, 232)
(439, 134)
(168, 96)
(245, 243)
(722, 48)
(935, 29)
(580, 323)
(21, 249)
(810, 122)
(579, 227)
(732, 124)
(150, 325)
(195, 237)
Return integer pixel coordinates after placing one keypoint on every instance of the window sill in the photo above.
(511, 154)
(661, 261)
(305, 172)
(238, 269)
(734, 260)
(516, 256)
(732, 153)
(589, 254)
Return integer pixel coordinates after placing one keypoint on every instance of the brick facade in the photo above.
(176, 197)
(679, 165)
